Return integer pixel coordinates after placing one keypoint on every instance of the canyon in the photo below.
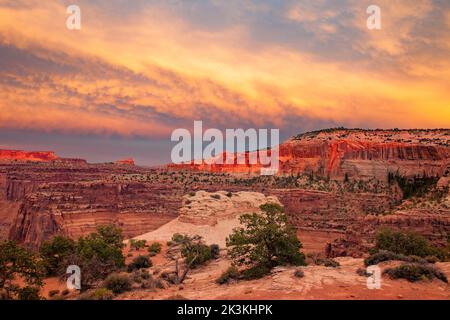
(333, 185)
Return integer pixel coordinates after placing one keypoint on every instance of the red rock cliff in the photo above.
(19, 155)
(362, 154)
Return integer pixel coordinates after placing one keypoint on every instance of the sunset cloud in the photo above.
(143, 68)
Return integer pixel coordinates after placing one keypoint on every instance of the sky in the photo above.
(139, 69)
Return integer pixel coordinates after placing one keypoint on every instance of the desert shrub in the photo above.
(229, 194)
(196, 254)
(65, 292)
(191, 194)
(415, 272)
(232, 273)
(384, 255)
(53, 252)
(103, 294)
(97, 294)
(29, 293)
(327, 263)
(19, 262)
(139, 262)
(178, 238)
(432, 259)
(152, 283)
(52, 293)
(255, 272)
(363, 272)
(299, 273)
(154, 248)
(137, 244)
(215, 251)
(215, 196)
(139, 276)
(169, 277)
(406, 243)
(266, 241)
(117, 283)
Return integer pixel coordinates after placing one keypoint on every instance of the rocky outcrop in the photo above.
(211, 215)
(360, 154)
(205, 208)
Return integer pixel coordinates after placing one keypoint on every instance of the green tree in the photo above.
(188, 252)
(97, 255)
(18, 262)
(406, 243)
(55, 251)
(137, 244)
(266, 240)
(105, 245)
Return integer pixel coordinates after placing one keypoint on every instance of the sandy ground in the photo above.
(318, 283)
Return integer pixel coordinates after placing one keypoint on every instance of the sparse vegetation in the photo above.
(363, 272)
(97, 255)
(137, 244)
(299, 273)
(215, 251)
(415, 272)
(384, 255)
(188, 252)
(407, 243)
(331, 263)
(154, 248)
(97, 294)
(117, 283)
(140, 262)
(55, 251)
(266, 241)
(232, 273)
(18, 262)
(415, 186)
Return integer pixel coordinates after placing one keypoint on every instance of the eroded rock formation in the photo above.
(360, 154)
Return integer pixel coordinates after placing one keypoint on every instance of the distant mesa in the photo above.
(341, 153)
(20, 155)
(126, 162)
(37, 156)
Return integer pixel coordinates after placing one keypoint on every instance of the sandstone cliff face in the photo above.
(211, 215)
(360, 154)
(76, 209)
(360, 235)
(205, 208)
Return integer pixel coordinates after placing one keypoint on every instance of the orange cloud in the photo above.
(148, 71)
